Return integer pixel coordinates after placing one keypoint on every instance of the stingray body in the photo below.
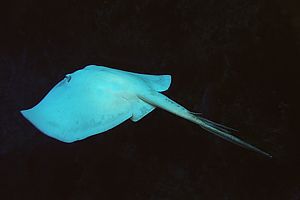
(97, 98)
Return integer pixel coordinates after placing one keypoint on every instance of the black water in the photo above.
(233, 60)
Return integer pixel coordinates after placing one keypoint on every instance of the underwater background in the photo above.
(234, 61)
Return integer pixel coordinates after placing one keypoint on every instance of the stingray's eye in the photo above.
(68, 78)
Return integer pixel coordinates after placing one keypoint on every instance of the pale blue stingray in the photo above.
(96, 98)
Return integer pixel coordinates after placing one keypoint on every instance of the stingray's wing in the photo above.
(158, 83)
(69, 113)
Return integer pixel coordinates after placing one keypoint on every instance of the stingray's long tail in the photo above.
(159, 100)
(225, 133)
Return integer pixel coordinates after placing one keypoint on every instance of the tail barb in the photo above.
(226, 133)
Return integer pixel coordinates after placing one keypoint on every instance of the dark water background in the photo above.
(233, 60)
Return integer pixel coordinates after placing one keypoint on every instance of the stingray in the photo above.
(95, 99)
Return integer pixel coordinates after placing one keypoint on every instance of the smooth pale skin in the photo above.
(97, 98)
